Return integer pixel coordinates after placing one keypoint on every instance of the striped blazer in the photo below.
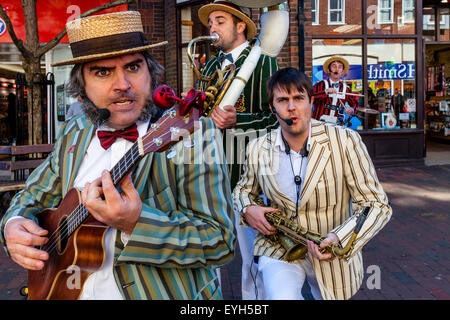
(339, 169)
(185, 230)
(253, 112)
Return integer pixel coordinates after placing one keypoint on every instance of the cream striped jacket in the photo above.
(339, 169)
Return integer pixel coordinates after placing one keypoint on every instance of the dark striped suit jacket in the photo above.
(253, 112)
(339, 169)
(321, 98)
(185, 230)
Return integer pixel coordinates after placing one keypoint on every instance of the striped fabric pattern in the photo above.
(321, 99)
(256, 114)
(185, 230)
(339, 169)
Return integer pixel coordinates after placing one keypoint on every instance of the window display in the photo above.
(391, 84)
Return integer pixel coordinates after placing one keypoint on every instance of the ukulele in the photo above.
(75, 244)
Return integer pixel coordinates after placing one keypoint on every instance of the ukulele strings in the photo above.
(57, 235)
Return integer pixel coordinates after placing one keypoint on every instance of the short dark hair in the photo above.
(236, 20)
(288, 78)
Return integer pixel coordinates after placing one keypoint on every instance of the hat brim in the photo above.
(107, 55)
(205, 11)
(336, 58)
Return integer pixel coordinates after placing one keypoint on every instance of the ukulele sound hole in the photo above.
(62, 235)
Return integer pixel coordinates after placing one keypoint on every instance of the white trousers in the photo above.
(251, 282)
(284, 281)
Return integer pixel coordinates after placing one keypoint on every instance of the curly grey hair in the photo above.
(75, 88)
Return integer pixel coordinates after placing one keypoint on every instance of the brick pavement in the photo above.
(410, 254)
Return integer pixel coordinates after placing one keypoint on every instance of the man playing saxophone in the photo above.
(318, 176)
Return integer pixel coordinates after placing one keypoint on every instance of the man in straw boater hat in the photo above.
(235, 30)
(164, 239)
(332, 90)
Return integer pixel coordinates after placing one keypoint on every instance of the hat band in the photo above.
(231, 5)
(112, 43)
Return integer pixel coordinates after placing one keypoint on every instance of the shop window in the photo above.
(349, 49)
(437, 88)
(391, 74)
(336, 12)
(389, 17)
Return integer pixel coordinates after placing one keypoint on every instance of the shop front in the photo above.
(388, 44)
(436, 31)
(382, 40)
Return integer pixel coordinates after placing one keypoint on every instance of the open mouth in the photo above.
(123, 102)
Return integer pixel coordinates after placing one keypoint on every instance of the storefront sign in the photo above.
(390, 71)
(379, 71)
(2, 26)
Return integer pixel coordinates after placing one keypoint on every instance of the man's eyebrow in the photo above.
(99, 67)
(95, 68)
(134, 62)
(216, 17)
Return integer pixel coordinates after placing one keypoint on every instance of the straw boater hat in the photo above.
(231, 8)
(338, 59)
(106, 36)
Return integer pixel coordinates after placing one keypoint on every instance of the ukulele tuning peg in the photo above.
(172, 153)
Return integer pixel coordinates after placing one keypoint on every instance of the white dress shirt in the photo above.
(282, 168)
(235, 53)
(101, 285)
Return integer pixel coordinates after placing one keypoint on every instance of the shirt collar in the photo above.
(279, 144)
(141, 127)
(237, 51)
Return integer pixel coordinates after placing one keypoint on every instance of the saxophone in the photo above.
(292, 237)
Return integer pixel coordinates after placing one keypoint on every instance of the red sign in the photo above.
(52, 16)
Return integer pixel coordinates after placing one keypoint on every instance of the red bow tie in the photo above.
(107, 138)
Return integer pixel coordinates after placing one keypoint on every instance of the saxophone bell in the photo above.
(294, 251)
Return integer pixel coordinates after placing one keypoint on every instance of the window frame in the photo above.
(315, 13)
(406, 9)
(342, 10)
(390, 8)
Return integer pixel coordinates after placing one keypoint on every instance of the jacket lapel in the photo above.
(240, 60)
(76, 147)
(318, 158)
(270, 186)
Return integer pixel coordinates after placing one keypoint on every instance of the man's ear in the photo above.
(240, 27)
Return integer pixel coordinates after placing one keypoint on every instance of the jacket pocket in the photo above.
(164, 200)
